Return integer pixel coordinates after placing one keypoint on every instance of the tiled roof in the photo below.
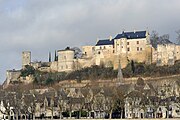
(105, 42)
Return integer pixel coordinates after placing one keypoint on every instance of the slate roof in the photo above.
(105, 42)
(128, 35)
(132, 35)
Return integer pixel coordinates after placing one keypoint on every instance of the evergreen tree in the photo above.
(49, 56)
(55, 56)
(132, 66)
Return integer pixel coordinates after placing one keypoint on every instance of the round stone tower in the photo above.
(66, 60)
(26, 58)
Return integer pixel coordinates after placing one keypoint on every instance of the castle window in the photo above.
(104, 47)
(127, 43)
(137, 42)
(128, 49)
(122, 46)
(100, 48)
(99, 52)
(85, 53)
(141, 49)
(137, 48)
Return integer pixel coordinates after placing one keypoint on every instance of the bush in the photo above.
(101, 72)
(49, 81)
(28, 70)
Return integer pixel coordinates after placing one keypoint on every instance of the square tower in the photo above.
(26, 58)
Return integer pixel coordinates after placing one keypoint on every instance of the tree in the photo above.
(132, 66)
(49, 81)
(178, 36)
(154, 38)
(140, 82)
(29, 70)
(77, 52)
(49, 56)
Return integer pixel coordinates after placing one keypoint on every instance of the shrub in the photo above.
(28, 70)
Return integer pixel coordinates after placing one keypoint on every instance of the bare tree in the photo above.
(154, 38)
(178, 36)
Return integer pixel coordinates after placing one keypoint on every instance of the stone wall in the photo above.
(11, 76)
(167, 54)
(88, 51)
(65, 60)
(177, 53)
(26, 58)
(54, 66)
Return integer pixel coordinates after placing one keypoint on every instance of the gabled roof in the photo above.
(105, 42)
(132, 35)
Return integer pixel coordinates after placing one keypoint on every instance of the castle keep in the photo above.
(111, 52)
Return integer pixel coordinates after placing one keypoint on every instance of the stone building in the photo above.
(26, 58)
(166, 54)
(123, 48)
(88, 51)
(66, 60)
(11, 77)
(111, 52)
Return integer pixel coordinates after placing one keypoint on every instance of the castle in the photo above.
(110, 52)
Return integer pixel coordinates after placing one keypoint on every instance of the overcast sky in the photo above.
(48, 25)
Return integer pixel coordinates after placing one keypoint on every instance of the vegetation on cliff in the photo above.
(101, 72)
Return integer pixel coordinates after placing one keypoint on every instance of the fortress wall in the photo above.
(65, 60)
(88, 51)
(54, 66)
(26, 58)
(177, 53)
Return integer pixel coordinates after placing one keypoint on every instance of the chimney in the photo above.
(110, 37)
(97, 40)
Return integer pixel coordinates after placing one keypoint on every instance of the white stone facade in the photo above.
(65, 60)
(166, 54)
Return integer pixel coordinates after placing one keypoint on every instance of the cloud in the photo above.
(47, 25)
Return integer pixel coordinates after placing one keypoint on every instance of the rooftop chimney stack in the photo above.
(134, 30)
(110, 37)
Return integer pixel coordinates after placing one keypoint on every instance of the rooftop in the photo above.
(128, 35)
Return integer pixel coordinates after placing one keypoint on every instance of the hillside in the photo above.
(95, 73)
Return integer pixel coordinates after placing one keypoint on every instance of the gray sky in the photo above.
(47, 25)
